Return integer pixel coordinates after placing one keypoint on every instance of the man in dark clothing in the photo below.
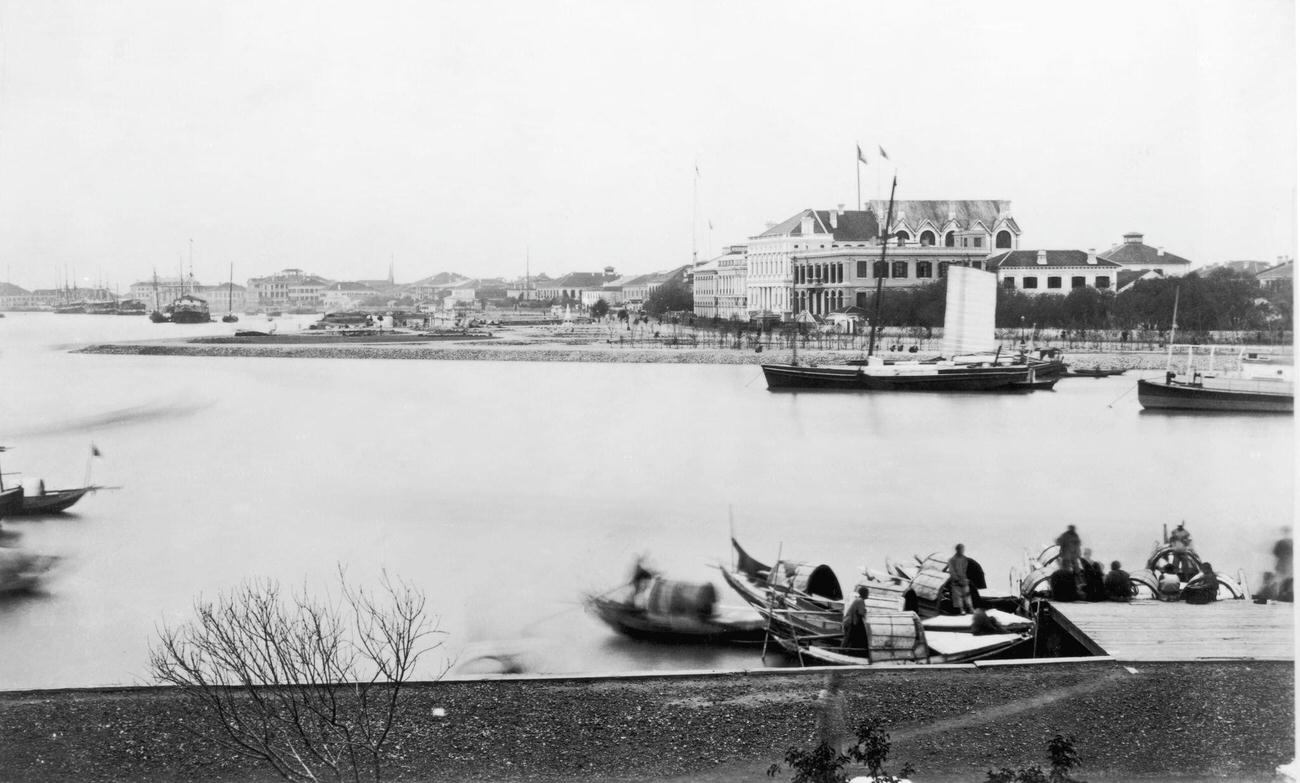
(1204, 587)
(857, 639)
(1117, 584)
(1069, 543)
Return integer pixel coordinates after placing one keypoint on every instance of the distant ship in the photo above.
(190, 309)
(132, 307)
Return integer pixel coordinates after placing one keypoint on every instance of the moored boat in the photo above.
(50, 501)
(1255, 385)
(11, 500)
(189, 309)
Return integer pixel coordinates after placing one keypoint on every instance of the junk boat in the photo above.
(189, 309)
(652, 608)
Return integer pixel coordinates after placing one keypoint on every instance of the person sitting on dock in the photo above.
(959, 580)
(982, 625)
(1117, 584)
(1204, 587)
(856, 637)
(1094, 582)
(1170, 586)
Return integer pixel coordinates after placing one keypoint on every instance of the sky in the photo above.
(473, 137)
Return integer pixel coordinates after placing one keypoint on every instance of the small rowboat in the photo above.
(1095, 372)
(651, 620)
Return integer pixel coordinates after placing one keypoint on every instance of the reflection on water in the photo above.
(508, 490)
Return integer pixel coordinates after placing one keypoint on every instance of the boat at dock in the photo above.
(51, 501)
(802, 606)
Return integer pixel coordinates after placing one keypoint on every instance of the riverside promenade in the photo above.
(1184, 721)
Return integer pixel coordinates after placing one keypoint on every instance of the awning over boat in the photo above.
(818, 580)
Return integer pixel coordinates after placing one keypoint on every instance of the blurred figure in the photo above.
(959, 580)
(982, 625)
(1094, 587)
(1117, 585)
(1169, 586)
(856, 638)
(1204, 587)
(1069, 543)
(1282, 554)
(1180, 541)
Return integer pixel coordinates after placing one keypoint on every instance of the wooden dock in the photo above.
(1161, 631)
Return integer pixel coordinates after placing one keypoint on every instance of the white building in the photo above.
(1135, 256)
(1053, 271)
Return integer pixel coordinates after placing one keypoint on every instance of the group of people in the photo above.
(1080, 578)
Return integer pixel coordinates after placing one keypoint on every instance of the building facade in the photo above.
(290, 289)
(1053, 271)
(704, 289)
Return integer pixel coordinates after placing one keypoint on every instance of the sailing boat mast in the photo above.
(1173, 327)
(230, 291)
(880, 278)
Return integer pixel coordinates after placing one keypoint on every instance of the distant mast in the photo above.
(880, 279)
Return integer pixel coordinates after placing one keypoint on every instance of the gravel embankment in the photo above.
(1170, 721)
(577, 351)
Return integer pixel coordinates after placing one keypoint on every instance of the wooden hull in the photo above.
(782, 377)
(11, 501)
(641, 624)
(1154, 395)
(943, 648)
(54, 502)
(190, 317)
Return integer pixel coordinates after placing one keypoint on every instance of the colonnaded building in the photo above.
(825, 261)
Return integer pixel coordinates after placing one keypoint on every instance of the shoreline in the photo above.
(952, 723)
(576, 351)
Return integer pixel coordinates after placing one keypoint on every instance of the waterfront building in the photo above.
(348, 296)
(611, 293)
(1133, 254)
(289, 289)
(718, 286)
(821, 261)
(169, 289)
(434, 287)
(1276, 276)
(525, 288)
(219, 297)
(14, 297)
(704, 289)
(637, 290)
(1053, 271)
(570, 287)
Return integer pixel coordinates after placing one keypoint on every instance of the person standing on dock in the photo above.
(959, 580)
(1069, 544)
(856, 637)
(1180, 541)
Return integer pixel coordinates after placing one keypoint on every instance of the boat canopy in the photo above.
(670, 597)
(931, 579)
(817, 580)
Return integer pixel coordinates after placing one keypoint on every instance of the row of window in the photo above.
(927, 239)
(834, 273)
(1078, 281)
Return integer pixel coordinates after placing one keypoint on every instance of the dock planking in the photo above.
(1146, 630)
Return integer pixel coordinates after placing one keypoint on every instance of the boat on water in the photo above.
(54, 501)
(230, 317)
(802, 606)
(1094, 372)
(189, 309)
(1256, 385)
(131, 307)
(652, 608)
(975, 363)
(11, 500)
(71, 308)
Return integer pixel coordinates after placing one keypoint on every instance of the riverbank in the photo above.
(1168, 721)
(574, 351)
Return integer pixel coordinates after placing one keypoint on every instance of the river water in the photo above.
(506, 490)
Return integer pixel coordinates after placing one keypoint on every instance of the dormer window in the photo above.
(1003, 239)
(927, 238)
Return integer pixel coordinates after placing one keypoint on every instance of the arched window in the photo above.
(902, 237)
(1003, 239)
(950, 239)
(927, 238)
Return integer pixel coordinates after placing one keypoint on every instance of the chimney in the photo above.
(1042, 258)
(839, 208)
(1160, 251)
(609, 273)
(1092, 255)
(835, 217)
(806, 225)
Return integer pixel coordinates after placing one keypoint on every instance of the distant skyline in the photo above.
(459, 136)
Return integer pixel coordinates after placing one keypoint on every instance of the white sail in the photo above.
(968, 313)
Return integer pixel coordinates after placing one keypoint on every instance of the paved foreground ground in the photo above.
(1173, 721)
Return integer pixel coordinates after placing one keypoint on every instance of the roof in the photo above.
(582, 280)
(1127, 276)
(9, 289)
(440, 279)
(1131, 253)
(1055, 258)
(850, 225)
(356, 286)
(965, 214)
(1283, 271)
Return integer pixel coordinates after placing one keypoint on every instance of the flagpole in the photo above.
(857, 163)
(695, 211)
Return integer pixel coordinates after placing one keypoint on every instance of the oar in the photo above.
(767, 632)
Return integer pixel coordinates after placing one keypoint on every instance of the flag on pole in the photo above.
(710, 225)
(94, 450)
(861, 157)
(882, 152)
(697, 171)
